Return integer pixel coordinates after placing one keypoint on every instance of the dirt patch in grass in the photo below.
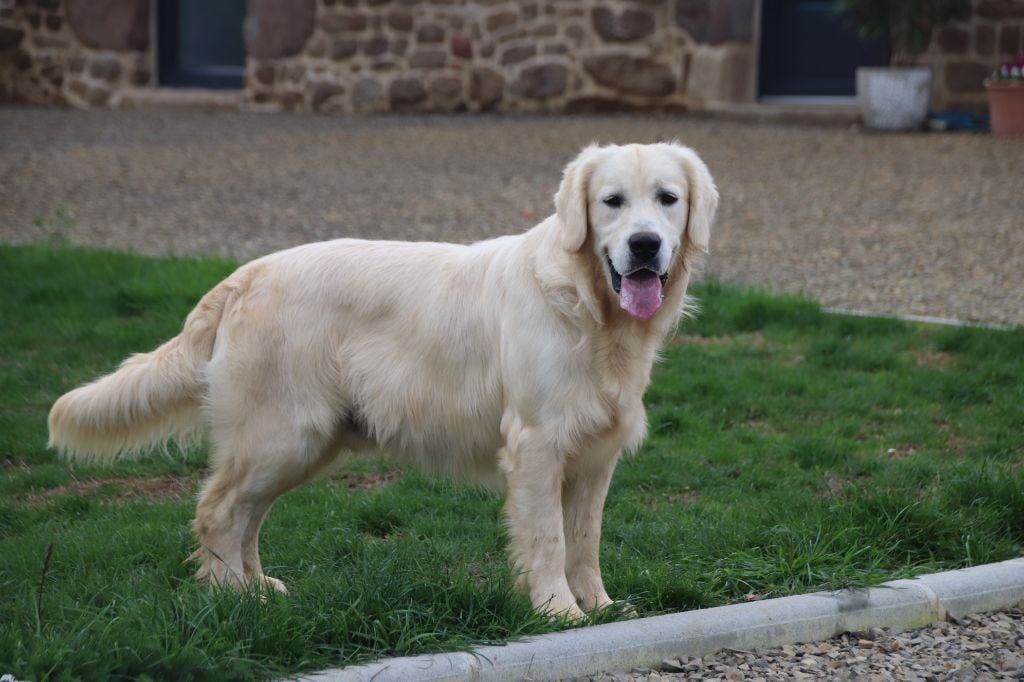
(174, 488)
(954, 442)
(932, 359)
(748, 340)
(688, 499)
(759, 425)
(901, 451)
(124, 489)
(838, 486)
(364, 481)
(702, 341)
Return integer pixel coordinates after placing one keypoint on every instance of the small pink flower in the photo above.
(1012, 70)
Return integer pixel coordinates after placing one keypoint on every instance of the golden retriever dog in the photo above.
(520, 360)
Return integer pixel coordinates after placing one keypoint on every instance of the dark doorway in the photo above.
(200, 43)
(807, 50)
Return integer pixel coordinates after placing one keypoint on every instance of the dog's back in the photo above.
(392, 342)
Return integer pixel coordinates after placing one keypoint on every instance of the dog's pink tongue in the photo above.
(640, 294)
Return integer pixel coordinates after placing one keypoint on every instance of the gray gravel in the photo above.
(976, 648)
(913, 224)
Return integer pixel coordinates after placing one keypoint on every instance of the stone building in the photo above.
(344, 56)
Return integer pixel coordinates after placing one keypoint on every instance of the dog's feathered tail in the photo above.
(151, 399)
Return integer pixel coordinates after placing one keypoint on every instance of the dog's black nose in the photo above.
(644, 245)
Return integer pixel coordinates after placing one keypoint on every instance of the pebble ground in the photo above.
(971, 649)
(921, 224)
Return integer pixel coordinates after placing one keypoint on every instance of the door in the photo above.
(200, 43)
(807, 50)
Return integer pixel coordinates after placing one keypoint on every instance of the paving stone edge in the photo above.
(645, 642)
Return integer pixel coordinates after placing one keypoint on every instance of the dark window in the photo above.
(200, 43)
(806, 49)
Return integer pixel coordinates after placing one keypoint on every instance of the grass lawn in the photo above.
(790, 451)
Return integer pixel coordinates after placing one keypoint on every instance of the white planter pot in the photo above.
(894, 98)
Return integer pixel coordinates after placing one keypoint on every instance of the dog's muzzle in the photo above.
(639, 290)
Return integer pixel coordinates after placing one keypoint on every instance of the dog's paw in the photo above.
(573, 613)
(272, 585)
(562, 610)
(621, 609)
(610, 611)
(591, 597)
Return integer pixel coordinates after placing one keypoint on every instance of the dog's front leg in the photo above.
(586, 486)
(534, 476)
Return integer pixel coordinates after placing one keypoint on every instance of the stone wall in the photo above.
(965, 52)
(406, 55)
(480, 55)
(77, 52)
(345, 56)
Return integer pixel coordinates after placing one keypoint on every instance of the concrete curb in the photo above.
(646, 642)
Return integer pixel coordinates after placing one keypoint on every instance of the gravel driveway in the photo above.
(913, 224)
(970, 649)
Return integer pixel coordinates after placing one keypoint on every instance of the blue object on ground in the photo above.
(958, 121)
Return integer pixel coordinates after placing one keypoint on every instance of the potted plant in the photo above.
(896, 97)
(1006, 98)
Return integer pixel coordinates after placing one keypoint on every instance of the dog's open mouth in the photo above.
(639, 291)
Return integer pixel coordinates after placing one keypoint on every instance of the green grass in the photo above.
(790, 451)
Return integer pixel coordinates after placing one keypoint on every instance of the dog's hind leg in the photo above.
(254, 464)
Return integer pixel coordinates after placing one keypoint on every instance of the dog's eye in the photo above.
(613, 201)
(667, 198)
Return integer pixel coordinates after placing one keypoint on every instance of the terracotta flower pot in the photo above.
(1006, 107)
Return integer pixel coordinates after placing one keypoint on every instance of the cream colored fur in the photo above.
(508, 360)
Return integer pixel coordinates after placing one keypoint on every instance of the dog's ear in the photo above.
(702, 197)
(572, 199)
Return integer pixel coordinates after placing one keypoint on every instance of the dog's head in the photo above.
(645, 212)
